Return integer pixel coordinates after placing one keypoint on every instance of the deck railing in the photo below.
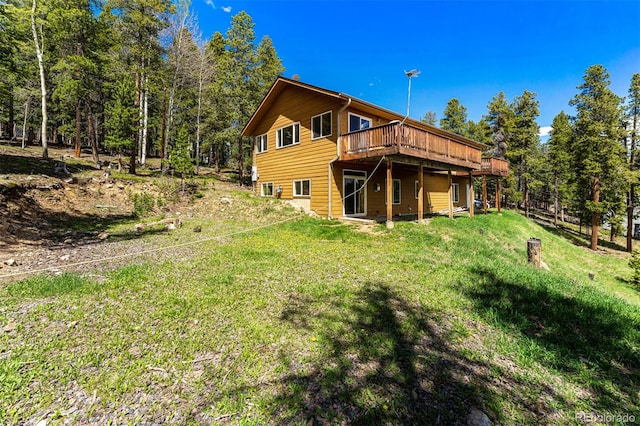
(408, 140)
(495, 167)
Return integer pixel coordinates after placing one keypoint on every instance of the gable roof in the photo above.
(282, 83)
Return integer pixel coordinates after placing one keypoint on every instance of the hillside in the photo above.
(267, 316)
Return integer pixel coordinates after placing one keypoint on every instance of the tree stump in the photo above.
(534, 251)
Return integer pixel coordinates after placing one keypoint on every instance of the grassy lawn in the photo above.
(315, 322)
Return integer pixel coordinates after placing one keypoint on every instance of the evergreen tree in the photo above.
(247, 73)
(215, 105)
(633, 113)
(429, 118)
(480, 131)
(76, 71)
(524, 143)
(455, 118)
(121, 113)
(598, 155)
(559, 160)
(500, 119)
(140, 23)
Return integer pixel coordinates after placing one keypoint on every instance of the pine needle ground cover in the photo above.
(316, 321)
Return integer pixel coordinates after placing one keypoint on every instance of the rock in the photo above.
(197, 229)
(478, 418)
(11, 326)
(171, 226)
(65, 257)
(103, 236)
(68, 241)
(10, 262)
(225, 200)
(139, 227)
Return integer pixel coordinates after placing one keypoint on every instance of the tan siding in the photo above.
(310, 159)
(306, 160)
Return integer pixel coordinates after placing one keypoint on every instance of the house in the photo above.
(340, 156)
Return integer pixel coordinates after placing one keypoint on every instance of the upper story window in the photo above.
(321, 125)
(357, 122)
(289, 135)
(261, 143)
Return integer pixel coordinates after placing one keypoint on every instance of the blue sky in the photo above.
(469, 49)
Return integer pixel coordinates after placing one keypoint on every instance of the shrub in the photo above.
(142, 204)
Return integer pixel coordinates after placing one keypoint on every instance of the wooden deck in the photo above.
(493, 167)
(394, 139)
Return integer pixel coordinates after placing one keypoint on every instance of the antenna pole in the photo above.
(409, 74)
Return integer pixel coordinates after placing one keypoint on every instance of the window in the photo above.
(455, 192)
(321, 125)
(267, 189)
(302, 188)
(357, 122)
(289, 135)
(396, 192)
(417, 188)
(261, 143)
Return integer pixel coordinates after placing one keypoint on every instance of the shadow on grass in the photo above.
(592, 338)
(27, 165)
(38, 225)
(386, 361)
(576, 238)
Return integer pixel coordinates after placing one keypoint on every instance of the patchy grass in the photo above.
(313, 321)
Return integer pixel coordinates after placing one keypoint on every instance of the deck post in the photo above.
(389, 195)
(450, 197)
(420, 192)
(484, 193)
(471, 196)
(498, 194)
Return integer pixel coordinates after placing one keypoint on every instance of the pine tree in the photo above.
(139, 23)
(480, 131)
(559, 160)
(524, 143)
(121, 113)
(633, 114)
(598, 155)
(429, 118)
(455, 118)
(500, 119)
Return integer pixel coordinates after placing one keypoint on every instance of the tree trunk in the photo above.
(43, 82)
(145, 121)
(12, 117)
(240, 161)
(525, 184)
(198, 114)
(555, 202)
(164, 128)
(92, 138)
(24, 121)
(134, 145)
(78, 150)
(632, 195)
(630, 209)
(613, 231)
(217, 157)
(595, 216)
